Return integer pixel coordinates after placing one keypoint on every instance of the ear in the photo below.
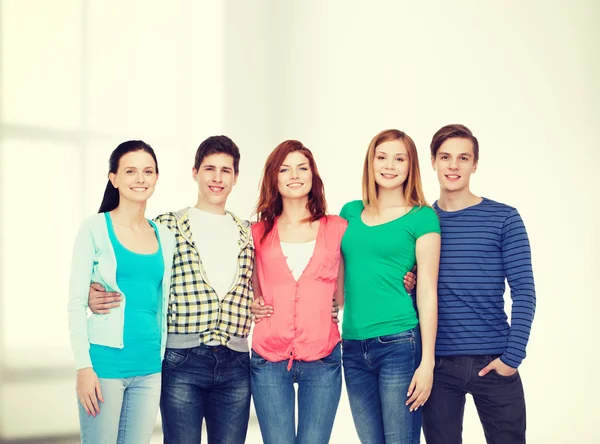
(433, 162)
(235, 178)
(112, 177)
(194, 173)
(475, 166)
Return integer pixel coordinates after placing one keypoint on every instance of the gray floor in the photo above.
(253, 437)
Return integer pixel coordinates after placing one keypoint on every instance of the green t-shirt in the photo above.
(376, 259)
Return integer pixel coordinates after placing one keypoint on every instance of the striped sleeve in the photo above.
(516, 258)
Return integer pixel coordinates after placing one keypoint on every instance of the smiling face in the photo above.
(136, 176)
(215, 178)
(454, 163)
(295, 177)
(390, 164)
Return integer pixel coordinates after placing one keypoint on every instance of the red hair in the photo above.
(270, 204)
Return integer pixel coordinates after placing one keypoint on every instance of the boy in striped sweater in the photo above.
(484, 243)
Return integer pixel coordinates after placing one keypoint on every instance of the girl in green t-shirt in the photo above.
(388, 351)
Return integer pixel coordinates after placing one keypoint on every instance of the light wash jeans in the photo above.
(128, 413)
(378, 372)
(319, 389)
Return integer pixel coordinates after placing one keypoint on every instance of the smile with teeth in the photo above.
(388, 176)
(452, 176)
(139, 189)
(295, 185)
(215, 189)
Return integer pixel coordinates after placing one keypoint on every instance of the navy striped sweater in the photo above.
(481, 246)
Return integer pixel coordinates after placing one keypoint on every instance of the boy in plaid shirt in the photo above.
(206, 365)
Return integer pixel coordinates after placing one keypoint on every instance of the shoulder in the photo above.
(426, 212)
(166, 218)
(170, 218)
(257, 226)
(425, 220)
(335, 222)
(92, 233)
(246, 224)
(497, 206)
(165, 234)
(93, 223)
(500, 210)
(257, 229)
(351, 209)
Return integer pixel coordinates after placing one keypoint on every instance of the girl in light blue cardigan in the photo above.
(118, 355)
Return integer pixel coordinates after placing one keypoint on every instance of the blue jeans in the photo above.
(204, 382)
(128, 413)
(319, 389)
(499, 400)
(378, 372)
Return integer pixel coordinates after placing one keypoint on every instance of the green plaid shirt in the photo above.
(194, 307)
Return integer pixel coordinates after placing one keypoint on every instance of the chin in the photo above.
(454, 188)
(391, 186)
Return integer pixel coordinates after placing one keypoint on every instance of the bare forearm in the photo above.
(256, 284)
(427, 305)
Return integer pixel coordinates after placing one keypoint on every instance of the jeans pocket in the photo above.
(512, 377)
(174, 357)
(333, 358)
(397, 338)
(243, 359)
(257, 360)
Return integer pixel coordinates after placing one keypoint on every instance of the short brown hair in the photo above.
(217, 145)
(450, 132)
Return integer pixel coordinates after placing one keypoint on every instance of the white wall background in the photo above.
(77, 77)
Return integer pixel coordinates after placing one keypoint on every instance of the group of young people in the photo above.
(172, 302)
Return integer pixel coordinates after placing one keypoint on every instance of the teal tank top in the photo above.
(139, 277)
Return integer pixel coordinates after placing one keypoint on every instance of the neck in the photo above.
(391, 198)
(295, 211)
(457, 200)
(130, 213)
(210, 208)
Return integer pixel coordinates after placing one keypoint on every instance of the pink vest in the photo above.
(301, 327)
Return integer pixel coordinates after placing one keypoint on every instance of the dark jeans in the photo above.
(205, 382)
(319, 389)
(378, 372)
(499, 400)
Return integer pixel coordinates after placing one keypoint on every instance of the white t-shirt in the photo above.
(298, 256)
(216, 237)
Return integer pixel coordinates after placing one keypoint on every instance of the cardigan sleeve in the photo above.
(81, 275)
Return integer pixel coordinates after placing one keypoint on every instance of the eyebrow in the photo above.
(396, 154)
(135, 168)
(214, 166)
(460, 154)
(300, 164)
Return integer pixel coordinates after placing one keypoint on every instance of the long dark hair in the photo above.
(270, 204)
(110, 201)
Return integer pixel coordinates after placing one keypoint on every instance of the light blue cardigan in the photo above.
(94, 261)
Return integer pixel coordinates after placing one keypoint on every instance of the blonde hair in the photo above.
(413, 188)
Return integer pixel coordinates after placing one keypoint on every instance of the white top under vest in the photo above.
(216, 237)
(297, 256)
